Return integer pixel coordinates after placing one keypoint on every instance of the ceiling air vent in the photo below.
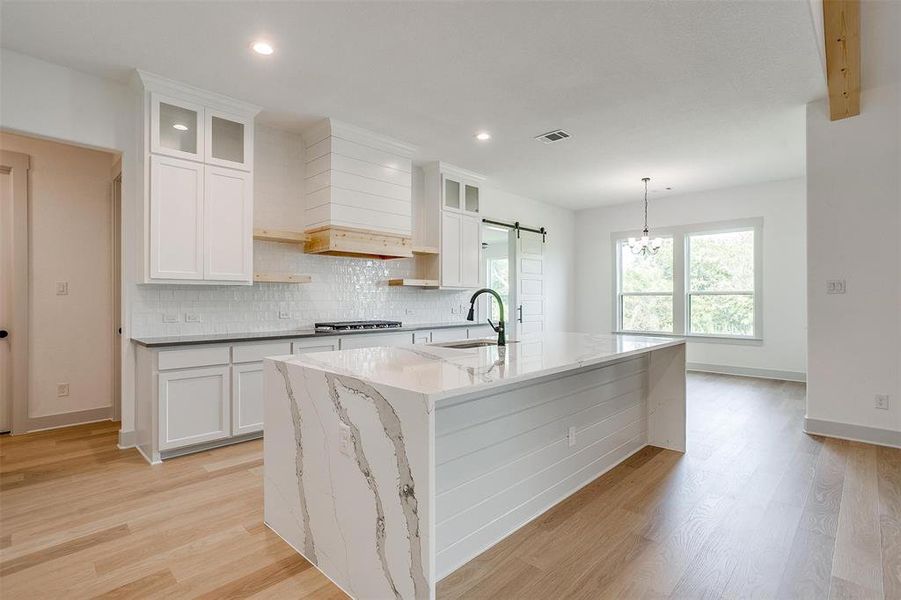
(552, 136)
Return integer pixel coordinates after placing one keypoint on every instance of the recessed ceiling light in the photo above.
(483, 136)
(263, 48)
(180, 127)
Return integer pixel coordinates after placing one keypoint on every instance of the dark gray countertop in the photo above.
(213, 338)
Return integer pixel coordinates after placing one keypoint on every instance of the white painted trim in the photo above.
(747, 372)
(127, 439)
(79, 417)
(333, 128)
(680, 235)
(852, 432)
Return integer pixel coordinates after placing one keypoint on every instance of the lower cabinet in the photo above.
(247, 398)
(193, 406)
(372, 340)
(192, 397)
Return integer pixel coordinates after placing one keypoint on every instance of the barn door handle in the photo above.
(519, 309)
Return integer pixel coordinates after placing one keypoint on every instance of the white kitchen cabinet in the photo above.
(193, 406)
(176, 127)
(228, 225)
(470, 251)
(198, 151)
(229, 140)
(176, 218)
(451, 251)
(447, 217)
(247, 398)
(329, 344)
(372, 340)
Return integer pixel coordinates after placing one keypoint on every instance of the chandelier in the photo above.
(645, 246)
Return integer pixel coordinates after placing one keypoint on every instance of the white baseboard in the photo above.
(747, 372)
(852, 432)
(127, 439)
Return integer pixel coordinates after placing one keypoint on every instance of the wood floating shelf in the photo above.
(425, 250)
(280, 235)
(422, 283)
(281, 278)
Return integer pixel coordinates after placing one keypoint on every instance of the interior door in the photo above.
(5, 300)
(530, 283)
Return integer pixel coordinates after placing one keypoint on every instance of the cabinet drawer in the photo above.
(243, 353)
(422, 337)
(193, 357)
(448, 335)
(315, 345)
(369, 340)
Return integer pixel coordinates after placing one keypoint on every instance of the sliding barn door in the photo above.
(529, 283)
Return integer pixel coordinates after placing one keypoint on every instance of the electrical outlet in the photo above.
(571, 437)
(881, 401)
(284, 314)
(192, 318)
(62, 288)
(836, 286)
(344, 436)
(170, 318)
(62, 390)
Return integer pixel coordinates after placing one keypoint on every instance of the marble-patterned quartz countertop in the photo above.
(440, 372)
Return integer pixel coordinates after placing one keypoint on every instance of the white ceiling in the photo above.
(695, 95)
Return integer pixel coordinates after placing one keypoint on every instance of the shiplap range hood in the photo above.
(358, 192)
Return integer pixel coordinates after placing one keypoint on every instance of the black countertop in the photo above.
(213, 338)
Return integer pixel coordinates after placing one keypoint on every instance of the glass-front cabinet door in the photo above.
(452, 189)
(471, 198)
(176, 128)
(229, 141)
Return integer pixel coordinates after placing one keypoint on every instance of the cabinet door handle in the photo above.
(519, 309)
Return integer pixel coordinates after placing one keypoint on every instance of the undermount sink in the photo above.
(471, 343)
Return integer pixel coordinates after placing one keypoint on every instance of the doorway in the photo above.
(62, 287)
(513, 266)
(13, 280)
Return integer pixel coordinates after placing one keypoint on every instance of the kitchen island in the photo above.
(389, 468)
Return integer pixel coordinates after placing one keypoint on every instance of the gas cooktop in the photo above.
(356, 325)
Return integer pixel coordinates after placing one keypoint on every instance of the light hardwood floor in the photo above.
(755, 508)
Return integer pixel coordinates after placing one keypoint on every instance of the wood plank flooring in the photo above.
(754, 509)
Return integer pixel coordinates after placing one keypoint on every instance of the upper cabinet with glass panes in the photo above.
(182, 128)
(460, 192)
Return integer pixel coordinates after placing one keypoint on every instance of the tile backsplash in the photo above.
(342, 289)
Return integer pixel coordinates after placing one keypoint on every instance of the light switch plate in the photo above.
(835, 286)
(881, 401)
(62, 288)
(62, 390)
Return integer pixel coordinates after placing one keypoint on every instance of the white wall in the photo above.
(854, 224)
(43, 99)
(559, 257)
(69, 208)
(780, 203)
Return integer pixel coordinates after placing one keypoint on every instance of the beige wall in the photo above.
(70, 336)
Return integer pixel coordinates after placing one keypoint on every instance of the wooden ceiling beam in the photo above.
(841, 26)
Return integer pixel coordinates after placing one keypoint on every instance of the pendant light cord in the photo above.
(646, 180)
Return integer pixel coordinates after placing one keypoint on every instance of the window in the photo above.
(704, 281)
(721, 283)
(498, 270)
(646, 289)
